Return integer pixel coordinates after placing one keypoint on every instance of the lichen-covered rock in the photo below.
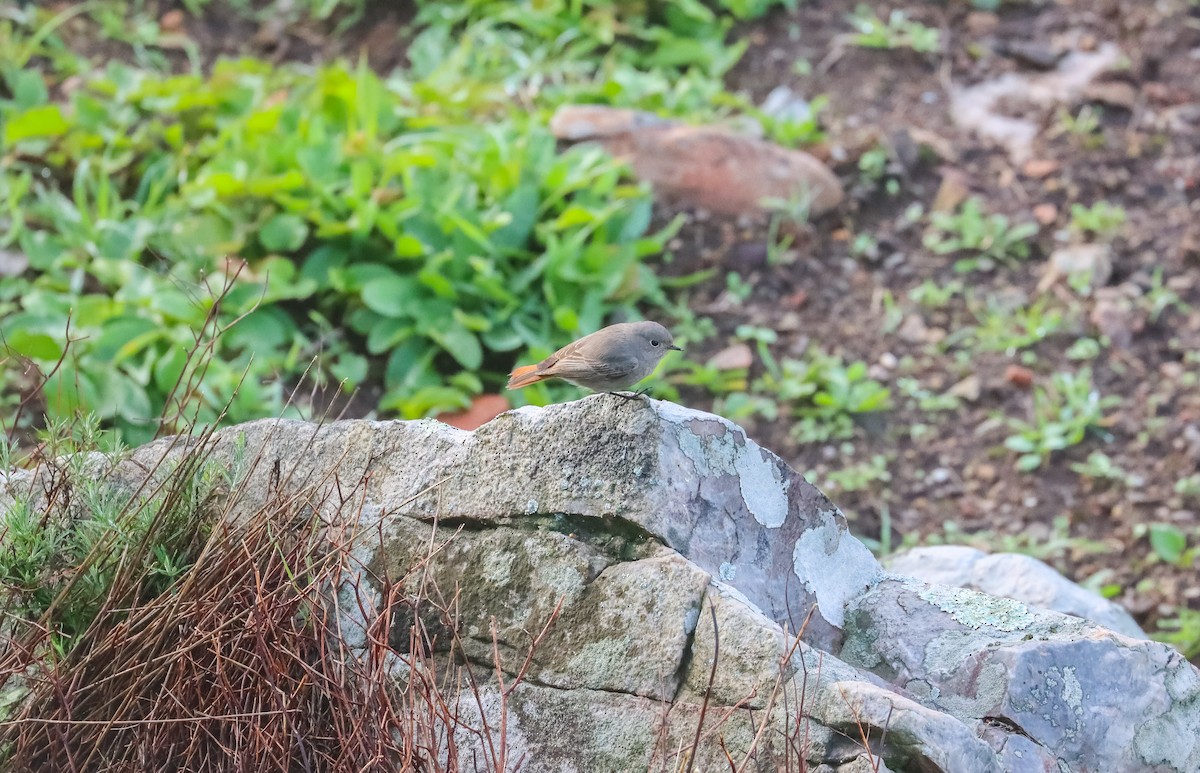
(1095, 699)
(691, 481)
(1013, 576)
(678, 560)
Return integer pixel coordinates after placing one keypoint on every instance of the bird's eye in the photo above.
(654, 343)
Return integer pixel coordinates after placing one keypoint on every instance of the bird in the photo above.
(611, 359)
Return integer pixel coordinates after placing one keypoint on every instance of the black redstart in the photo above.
(612, 358)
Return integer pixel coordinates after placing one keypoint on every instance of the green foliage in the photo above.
(859, 476)
(823, 393)
(1188, 487)
(1101, 466)
(1063, 414)
(62, 567)
(1169, 543)
(420, 232)
(1181, 631)
(897, 32)
(985, 239)
(932, 295)
(441, 244)
(1003, 328)
(1101, 219)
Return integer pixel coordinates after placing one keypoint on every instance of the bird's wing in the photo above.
(578, 361)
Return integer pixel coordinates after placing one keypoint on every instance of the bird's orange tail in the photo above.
(524, 376)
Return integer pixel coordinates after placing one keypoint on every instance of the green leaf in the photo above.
(283, 233)
(392, 295)
(1167, 541)
(41, 121)
(35, 346)
(462, 344)
(1029, 462)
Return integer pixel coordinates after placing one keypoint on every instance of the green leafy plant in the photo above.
(1102, 219)
(1181, 631)
(1062, 416)
(985, 239)
(1002, 328)
(898, 31)
(824, 394)
(1101, 466)
(858, 476)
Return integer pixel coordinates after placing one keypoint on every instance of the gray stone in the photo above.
(1012, 576)
(693, 582)
(1096, 699)
(692, 481)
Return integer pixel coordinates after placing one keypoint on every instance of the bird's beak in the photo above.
(675, 348)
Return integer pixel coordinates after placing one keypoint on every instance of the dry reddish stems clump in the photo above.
(243, 666)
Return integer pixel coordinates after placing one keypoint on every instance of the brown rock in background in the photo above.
(706, 166)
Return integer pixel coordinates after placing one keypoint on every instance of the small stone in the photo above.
(736, 357)
(984, 472)
(1092, 262)
(1033, 53)
(1115, 93)
(13, 263)
(1039, 168)
(1045, 214)
(888, 360)
(913, 329)
(172, 21)
(1019, 376)
(968, 389)
(953, 191)
(980, 23)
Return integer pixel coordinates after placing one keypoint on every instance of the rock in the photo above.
(708, 167)
(1090, 262)
(967, 389)
(173, 20)
(1101, 700)
(784, 104)
(1116, 313)
(12, 263)
(691, 481)
(1039, 168)
(1045, 214)
(1019, 376)
(1013, 576)
(954, 189)
(736, 357)
(1034, 53)
(1120, 94)
(673, 575)
(913, 330)
(979, 108)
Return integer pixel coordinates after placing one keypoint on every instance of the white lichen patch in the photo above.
(834, 566)
(763, 489)
(715, 446)
(727, 572)
(978, 610)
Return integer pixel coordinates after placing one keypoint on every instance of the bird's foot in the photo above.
(627, 396)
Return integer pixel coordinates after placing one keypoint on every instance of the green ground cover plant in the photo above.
(420, 231)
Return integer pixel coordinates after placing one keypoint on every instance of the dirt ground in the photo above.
(959, 472)
(950, 467)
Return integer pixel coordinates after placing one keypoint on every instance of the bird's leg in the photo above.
(627, 396)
